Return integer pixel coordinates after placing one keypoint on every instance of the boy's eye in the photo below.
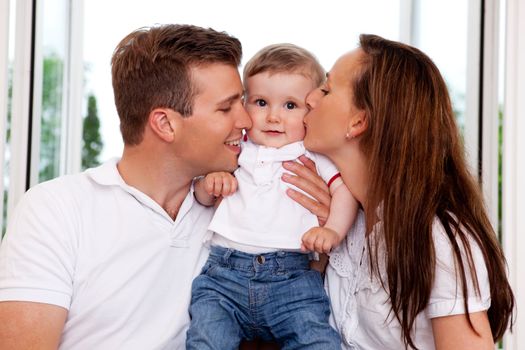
(290, 105)
(260, 102)
(324, 91)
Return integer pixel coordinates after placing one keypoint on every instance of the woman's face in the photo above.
(333, 115)
(332, 108)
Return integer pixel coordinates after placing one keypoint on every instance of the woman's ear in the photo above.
(163, 123)
(357, 124)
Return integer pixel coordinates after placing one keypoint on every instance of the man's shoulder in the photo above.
(78, 187)
(64, 184)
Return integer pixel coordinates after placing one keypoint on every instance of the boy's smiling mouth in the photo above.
(273, 132)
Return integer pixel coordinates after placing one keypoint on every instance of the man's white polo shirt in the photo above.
(110, 255)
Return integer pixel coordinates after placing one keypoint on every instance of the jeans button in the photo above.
(260, 259)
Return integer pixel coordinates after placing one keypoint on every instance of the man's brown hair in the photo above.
(285, 58)
(418, 173)
(151, 69)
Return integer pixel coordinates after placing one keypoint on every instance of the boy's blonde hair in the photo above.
(285, 58)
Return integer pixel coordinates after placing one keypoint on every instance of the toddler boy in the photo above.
(257, 282)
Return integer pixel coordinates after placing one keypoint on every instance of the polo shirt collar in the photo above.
(286, 152)
(107, 174)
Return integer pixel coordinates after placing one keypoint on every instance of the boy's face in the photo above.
(276, 105)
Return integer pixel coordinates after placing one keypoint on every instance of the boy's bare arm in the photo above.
(343, 210)
(213, 186)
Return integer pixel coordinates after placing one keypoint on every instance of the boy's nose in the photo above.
(273, 117)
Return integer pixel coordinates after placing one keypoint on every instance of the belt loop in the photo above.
(280, 258)
(226, 256)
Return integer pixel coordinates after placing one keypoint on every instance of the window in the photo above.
(50, 103)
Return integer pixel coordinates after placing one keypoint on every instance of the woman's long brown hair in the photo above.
(417, 173)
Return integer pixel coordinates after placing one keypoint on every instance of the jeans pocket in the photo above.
(317, 278)
(208, 268)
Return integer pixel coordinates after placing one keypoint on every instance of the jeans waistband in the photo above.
(281, 260)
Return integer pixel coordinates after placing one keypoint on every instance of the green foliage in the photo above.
(51, 123)
(51, 117)
(92, 142)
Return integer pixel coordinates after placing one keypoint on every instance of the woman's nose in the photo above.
(311, 99)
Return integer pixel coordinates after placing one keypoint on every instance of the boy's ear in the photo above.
(358, 124)
(163, 123)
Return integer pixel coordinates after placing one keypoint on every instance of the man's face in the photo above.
(210, 137)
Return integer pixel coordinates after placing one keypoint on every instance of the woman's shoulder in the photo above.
(447, 293)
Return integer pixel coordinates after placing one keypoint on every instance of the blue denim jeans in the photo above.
(274, 297)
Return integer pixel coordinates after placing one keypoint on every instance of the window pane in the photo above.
(441, 32)
(53, 59)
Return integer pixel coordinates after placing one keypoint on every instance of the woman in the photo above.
(426, 271)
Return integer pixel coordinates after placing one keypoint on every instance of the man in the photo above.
(105, 259)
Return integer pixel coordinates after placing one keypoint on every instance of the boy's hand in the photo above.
(220, 184)
(320, 239)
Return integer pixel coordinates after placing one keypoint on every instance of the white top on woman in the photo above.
(360, 305)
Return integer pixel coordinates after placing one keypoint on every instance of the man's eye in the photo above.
(290, 105)
(225, 110)
(260, 102)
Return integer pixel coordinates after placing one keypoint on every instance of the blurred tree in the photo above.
(92, 142)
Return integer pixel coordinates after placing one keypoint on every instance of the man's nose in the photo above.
(243, 119)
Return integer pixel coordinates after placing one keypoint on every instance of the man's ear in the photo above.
(358, 124)
(163, 122)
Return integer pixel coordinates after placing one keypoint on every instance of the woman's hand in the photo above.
(310, 182)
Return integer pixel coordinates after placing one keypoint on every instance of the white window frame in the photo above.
(472, 97)
(21, 104)
(514, 163)
(75, 73)
(490, 108)
(4, 83)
